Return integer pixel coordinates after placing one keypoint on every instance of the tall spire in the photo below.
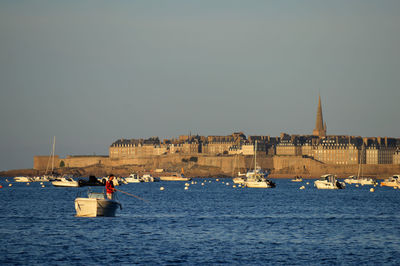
(320, 127)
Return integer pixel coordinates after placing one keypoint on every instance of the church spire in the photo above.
(320, 127)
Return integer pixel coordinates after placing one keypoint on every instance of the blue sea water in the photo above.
(208, 225)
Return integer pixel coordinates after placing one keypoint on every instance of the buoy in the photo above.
(371, 189)
(217, 180)
(202, 184)
(1, 186)
(192, 182)
(227, 183)
(308, 183)
(186, 188)
(7, 180)
(161, 188)
(187, 184)
(234, 186)
(10, 185)
(302, 187)
(27, 184)
(42, 185)
(357, 185)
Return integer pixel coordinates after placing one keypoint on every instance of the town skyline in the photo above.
(91, 73)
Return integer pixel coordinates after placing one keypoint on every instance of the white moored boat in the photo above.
(174, 177)
(259, 181)
(148, 178)
(352, 180)
(23, 179)
(297, 179)
(96, 204)
(367, 181)
(133, 178)
(65, 181)
(238, 180)
(258, 177)
(329, 182)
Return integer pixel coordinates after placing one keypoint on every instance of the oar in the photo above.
(132, 195)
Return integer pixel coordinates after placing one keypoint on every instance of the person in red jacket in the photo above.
(110, 187)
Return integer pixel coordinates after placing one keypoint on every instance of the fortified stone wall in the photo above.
(228, 165)
(83, 161)
(297, 165)
(42, 162)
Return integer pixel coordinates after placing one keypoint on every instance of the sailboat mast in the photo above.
(255, 156)
(52, 154)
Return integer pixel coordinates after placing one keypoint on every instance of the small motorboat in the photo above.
(65, 181)
(133, 178)
(149, 178)
(297, 179)
(259, 181)
(96, 204)
(392, 181)
(175, 177)
(329, 181)
(352, 180)
(23, 179)
(238, 180)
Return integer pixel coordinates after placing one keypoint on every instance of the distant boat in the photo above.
(149, 178)
(359, 179)
(393, 181)
(238, 180)
(174, 177)
(258, 177)
(329, 181)
(49, 177)
(96, 204)
(352, 180)
(367, 181)
(133, 178)
(23, 179)
(297, 179)
(65, 181)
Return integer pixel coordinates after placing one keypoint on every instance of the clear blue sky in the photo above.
(91, 72)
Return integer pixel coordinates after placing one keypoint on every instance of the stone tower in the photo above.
(320, 127)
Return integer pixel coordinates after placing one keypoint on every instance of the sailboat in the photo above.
(239, 179)
(359, 179)
(50, 177)
(257, 178)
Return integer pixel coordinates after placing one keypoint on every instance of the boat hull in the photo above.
(133, 180)
(174, 178)
(390, 184)
(22, 179)
(88, 207)
(65, 184)
(327, 185)
(238, 180)
(259, 184)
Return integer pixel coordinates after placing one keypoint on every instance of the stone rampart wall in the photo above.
(42, 162)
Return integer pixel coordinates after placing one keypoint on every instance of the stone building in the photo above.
(396, 156)
(380, 150)
(342, 150)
